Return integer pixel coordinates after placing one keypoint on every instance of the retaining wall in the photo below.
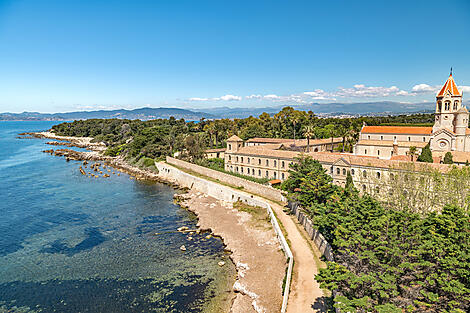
(252, 187)
(220, 192)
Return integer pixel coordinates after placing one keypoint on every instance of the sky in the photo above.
(60, 56)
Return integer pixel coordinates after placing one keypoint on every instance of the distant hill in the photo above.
(335, 108)
(142, 114)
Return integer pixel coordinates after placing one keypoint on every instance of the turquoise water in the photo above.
(70, 243)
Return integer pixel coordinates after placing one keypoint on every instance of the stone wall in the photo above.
(224, 193)
(267, 192)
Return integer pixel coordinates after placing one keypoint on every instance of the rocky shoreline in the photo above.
(258, 286)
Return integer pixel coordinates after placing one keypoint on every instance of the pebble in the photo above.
(221, 263)
(183, 248)
(190, 238)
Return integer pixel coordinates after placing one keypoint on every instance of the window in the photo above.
(267, 162)
(259, 161)
(424, 139)
(377, 189)
(275, 163)
(337, 170)
(364, 173)
(447, 105)
(267, 174)
(236, 169)
(230, 146)
(352, 172)
(365, 151)
(368, 137)
(344, 171)
(409, 138)
(241, 170)
(364, 188)
(249, 161)
(439, 106)
(378, 152)
(282, 175)
(242, 159)
(237, 159)
(248, 171)
(378, 175)
(394, 137)
(381, 137)
(275, 176)
(455, 105)
(259, 172)
(230, 158)
(283, 164)
(331, 170)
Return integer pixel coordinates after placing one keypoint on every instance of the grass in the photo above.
(217, 164)
(260, 215)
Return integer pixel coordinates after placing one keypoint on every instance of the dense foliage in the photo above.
(426, 155)
(157, 138)
(386, 260)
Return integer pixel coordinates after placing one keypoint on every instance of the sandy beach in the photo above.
(246, 231)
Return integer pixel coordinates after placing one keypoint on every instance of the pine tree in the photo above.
(448, 158)
(349, 182)
(426, 155)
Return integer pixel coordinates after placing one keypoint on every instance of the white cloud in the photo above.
(254, 97)
(424, 88)
(363, 91)
(223, 98)
(271, 97)
(464, 88)
(229, 98)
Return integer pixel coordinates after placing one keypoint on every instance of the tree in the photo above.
(330, 131)
(308, 132)
(448, 158)
(412, 153)
(426, 155)
(349, 182)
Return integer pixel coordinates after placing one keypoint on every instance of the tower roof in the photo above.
(449, 86)
(234, 138)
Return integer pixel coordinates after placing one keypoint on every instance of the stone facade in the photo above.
(450, 132)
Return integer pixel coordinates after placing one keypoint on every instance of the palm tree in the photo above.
(308, 132)
(412, 152)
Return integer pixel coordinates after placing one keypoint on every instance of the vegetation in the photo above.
(448, 158)
(426, 155)
(218, 165)
(386, 259)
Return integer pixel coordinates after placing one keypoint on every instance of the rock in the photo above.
(183, 248)
(198, 231)
(190, 238)
(221, 263)
(208, 236)
(183, 228)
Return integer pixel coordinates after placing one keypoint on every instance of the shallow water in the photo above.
(71, 243)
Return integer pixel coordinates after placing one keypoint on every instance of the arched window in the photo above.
(378, 175)
(267, 174)
(337, 170)
(230, 146)
(352, 172)
(230, 158)
(364, 173)
(242, 159)
(259, 172)
(365, 151)
(237, 159)
(282, 175)
(275, 175)
(377, 189)
(378, 152)
(248, 171)
(241, 170)
(283, 164)
(344, 171)
(447, 105)
(259, 161)
(364, 188)
(275, 163)
(455, 105)
(267, 162)
(439, 106)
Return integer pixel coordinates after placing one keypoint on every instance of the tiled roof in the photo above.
(330, 158)
(234, 138)
(269, 140)
(449, 86)
(409, 130)
(389, 143)
(298, 142)
(215, 150)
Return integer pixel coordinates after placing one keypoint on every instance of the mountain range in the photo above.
(321, 109)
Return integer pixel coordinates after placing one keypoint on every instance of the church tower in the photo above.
(452, 116)
(448, 108)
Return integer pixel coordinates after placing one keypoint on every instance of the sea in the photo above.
(71, 243)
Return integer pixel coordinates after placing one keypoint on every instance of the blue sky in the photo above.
(58, 56)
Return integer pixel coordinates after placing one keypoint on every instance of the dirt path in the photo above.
(306, 295)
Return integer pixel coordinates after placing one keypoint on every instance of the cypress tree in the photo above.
(426, 155)
(448, 158)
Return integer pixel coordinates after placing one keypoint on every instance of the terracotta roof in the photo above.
(215, 150)
(357, 160)
(449, 86)
(298, 142)
(234, 138)
(275, 181)
(389, 143)
(269, 140)
(410, 130)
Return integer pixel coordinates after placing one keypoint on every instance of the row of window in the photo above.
(447, 105)
(395, 138)
(252, 161)
(364, 172)
(252, 171)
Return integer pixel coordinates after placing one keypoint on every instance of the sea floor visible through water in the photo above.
(71, 243)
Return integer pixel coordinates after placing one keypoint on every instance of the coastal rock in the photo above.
(221, 263)
(183, 248)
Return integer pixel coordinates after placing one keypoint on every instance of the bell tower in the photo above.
(448, 107)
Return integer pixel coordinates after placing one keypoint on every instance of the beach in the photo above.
(245, 231)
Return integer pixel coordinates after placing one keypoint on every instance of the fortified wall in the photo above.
(267, 192)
